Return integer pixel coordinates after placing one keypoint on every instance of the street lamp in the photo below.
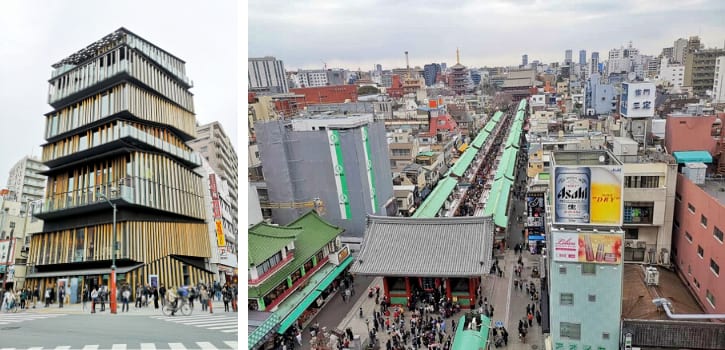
(113, 256)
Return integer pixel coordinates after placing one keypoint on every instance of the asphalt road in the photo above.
(104, 330)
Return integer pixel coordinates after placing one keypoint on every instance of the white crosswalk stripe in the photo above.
(201, 345)
(221, 323)
(15, 318)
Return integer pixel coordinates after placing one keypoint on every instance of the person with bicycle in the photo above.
(9, 300)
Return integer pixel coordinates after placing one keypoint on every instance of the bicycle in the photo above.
(182, 305)
(13, 307)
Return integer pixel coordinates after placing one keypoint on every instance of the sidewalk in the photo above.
(77, 309)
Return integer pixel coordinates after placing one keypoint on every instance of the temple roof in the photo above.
(426, 247)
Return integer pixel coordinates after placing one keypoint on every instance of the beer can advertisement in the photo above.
(588, 195)
(592, 248)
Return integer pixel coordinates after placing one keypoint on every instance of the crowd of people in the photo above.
(144, 296)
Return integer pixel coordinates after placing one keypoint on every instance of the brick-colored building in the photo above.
(691, 133)
(327, 94)
(697, 239)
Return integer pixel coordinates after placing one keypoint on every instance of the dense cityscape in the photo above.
(543, 205)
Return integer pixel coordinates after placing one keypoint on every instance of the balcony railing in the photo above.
(84, 197)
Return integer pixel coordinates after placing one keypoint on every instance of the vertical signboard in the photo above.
(588, 195)
(220, 241)
(216, 207)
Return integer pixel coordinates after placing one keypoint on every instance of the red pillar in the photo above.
(386, 292)
(472, 292)
(407, 288)
(449, 295)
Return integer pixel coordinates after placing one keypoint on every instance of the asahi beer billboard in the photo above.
(595, 248)
(588, 195)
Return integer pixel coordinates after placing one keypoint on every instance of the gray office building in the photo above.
(342, 160)
(267, 75)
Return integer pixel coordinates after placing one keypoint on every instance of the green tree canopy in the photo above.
(367, 90)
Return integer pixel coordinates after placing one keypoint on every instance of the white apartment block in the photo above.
(312, 78)
(673, 73)
(267, 74)
(24, 181)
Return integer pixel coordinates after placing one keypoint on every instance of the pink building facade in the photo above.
(697, 239)
(691, 133)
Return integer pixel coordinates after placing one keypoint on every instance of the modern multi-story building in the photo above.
(117, 136)
(221, 223)
(267, 75)
(525, 60)
(594, 63)
(672, 73)
(312, 77)
(678, 51)
(718, 84)
(582, 57)
(700, 70)
(327, 94)
(213, 144)
(585, 265)
(599, 99)
(340, 159)
(25, 183)
(431, 71)
(568, 57)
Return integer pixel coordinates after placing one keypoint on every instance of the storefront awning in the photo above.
(86, 272)
(309, 299)
(692, 157)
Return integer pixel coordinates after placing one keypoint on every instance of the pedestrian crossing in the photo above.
(225, 323)
(8, 318)
(201, 345)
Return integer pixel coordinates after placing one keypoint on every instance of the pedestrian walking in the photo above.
(162, 293)
(139, 295)
(538, 317)
(348, 293)
(85, 295)
(204, 295)
(61, 296)
(155, 295)
(125, 298)
(47, 297)
(505, 335)
(530, 318)
(94, 297)
(227, 297)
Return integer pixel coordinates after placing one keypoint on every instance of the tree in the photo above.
(367, 90)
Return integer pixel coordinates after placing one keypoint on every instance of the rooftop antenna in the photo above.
(458, 56)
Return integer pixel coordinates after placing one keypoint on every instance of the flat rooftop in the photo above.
(716, 189)
(588, 157)
(637, 296)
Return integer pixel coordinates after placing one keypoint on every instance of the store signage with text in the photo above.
(596, 248)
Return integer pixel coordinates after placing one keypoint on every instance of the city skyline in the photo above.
(357, 42)
(37, 34)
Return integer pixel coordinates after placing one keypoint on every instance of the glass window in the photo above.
(710, 298)
(718, 234)
(688, 236)
(589, 269)
(566, 299)
(691, 208)
(570, 330)
(715, 267)
(700, 251)
(703, 220)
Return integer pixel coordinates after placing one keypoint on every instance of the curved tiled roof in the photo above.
(435, 247)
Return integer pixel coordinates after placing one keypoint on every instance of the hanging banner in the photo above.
(338, 169)
(220, 241)
(371, 172)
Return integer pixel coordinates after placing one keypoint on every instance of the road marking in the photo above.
(206, 345)
(232, 344)
(7, 349)
(118, 347)
(36, 348)
(176, 346)
(224, 327)
(67, 347)
(230, 330)
(91, 347)
(148, 346)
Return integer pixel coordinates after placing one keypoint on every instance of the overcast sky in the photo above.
(36, 34)
(361, 33)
